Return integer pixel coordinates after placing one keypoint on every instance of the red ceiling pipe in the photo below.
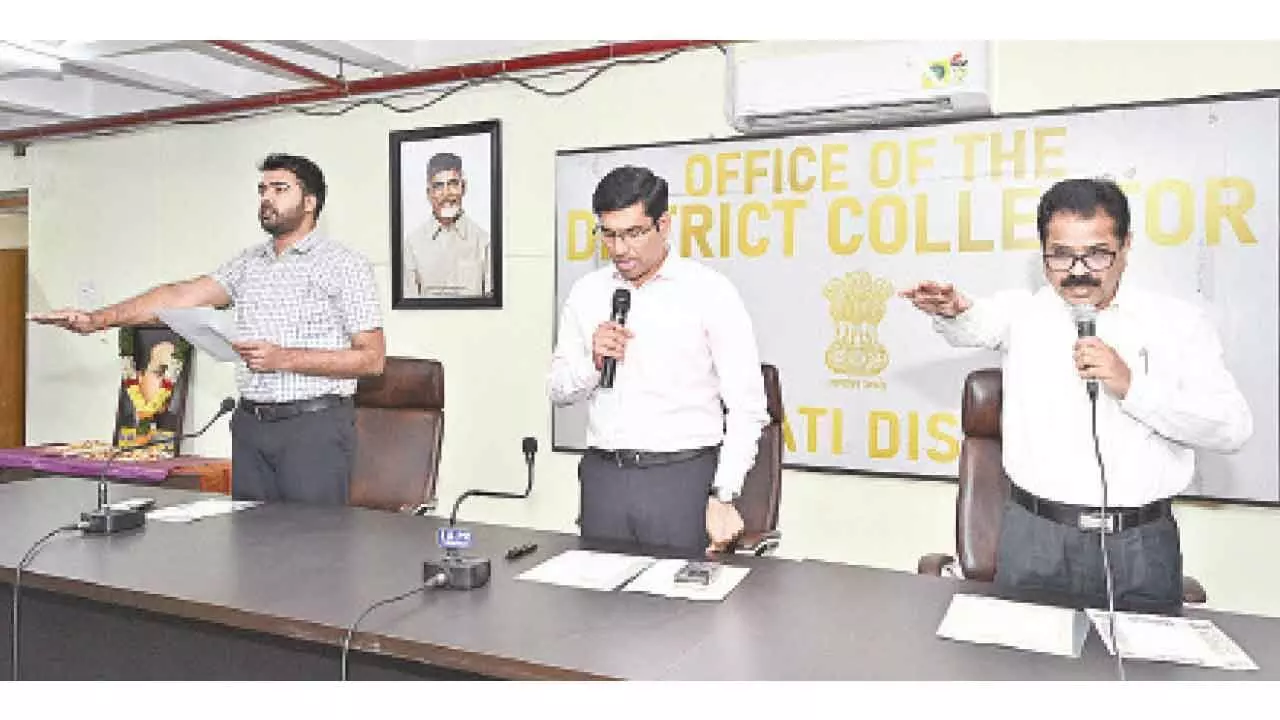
(419, 78)
(274, 61)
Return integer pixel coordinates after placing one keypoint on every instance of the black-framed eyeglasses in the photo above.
(1093, 260)
(629, 235)
(440, 185)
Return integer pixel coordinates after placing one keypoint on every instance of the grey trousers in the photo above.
(304, 459)
(1040, 556)
(662, 505)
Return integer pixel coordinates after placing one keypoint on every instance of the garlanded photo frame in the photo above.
(155, 371)
(446, 217)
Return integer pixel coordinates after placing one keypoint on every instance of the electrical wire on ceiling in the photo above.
(334, 108)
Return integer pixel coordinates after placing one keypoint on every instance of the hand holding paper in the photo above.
(204, 327)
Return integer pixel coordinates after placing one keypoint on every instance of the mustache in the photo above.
(1079, 281)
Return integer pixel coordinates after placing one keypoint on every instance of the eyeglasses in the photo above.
(451, 183)
(1093, 260)
(629, 235)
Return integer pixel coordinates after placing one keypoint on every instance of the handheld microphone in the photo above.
(621, 304)
(1086, 319)
(465, 572)
(107, 519)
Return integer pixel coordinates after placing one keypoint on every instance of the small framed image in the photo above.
(155, 370)
(446, 217)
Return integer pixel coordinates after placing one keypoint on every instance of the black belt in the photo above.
(1091, 518)
(646, 458)
(271, 412)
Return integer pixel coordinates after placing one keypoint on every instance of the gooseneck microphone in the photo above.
(103, 520)
(621, 304)
(463, 572)
(106, 519)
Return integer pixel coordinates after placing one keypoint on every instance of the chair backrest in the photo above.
(762, 487)
(983, 483)
(400, 429)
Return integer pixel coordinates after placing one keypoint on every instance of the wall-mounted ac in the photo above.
(874, 83)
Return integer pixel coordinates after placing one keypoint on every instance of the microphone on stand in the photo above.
(466, 572)
(621, 304)
(107, 519)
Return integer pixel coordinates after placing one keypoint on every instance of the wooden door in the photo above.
(13, 347)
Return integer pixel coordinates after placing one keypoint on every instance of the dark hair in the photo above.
(441, 162)
(627, 185)
(1084, 197)
(307, 172)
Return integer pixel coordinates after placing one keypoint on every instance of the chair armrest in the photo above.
(760, 543)
(933, 564)
(1192, 591)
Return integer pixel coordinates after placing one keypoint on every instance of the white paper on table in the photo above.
(192, 511)
(660, 579)
(1162, 638)
(206, 328)
(587, 569)
(1023, 626)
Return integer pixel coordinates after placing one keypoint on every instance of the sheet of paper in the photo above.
(1183, 640)
(660, 579)
(206, 328)
(587, 569)
(192, 511)
(1024, 626)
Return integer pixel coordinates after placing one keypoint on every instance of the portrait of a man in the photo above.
(154, 372)
(448, 255)
(446, 249)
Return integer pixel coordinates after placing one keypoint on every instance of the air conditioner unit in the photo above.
(876, 83)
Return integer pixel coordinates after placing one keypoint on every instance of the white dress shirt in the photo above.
(1180, 396)
(693, 345)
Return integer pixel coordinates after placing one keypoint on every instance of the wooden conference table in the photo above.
(268, 593)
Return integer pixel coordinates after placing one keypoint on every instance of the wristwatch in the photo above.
(723, 494)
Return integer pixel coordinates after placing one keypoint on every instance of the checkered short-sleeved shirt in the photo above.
(315, 295)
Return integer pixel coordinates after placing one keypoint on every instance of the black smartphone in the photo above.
(697, 572)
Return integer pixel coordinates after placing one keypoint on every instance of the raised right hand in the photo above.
(937, 298)
(609, 340)
(77, 321)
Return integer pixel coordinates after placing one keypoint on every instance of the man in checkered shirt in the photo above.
(308, 325)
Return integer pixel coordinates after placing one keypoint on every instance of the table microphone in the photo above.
(107, 519)
(621, 304)
(465, 572)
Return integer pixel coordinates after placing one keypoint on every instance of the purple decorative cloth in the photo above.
(46, 459)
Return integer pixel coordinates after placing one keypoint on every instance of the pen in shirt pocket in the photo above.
(1142, 354)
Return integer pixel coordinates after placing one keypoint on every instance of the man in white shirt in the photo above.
(1161, 387)
(665, 461)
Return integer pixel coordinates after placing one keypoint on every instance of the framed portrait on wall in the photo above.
(446, 217)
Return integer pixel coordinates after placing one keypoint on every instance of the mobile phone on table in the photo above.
(697, 572)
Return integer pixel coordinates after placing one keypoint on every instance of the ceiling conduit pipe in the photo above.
(366, 86)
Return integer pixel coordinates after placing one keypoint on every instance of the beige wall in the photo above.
(13, 230)
(123, 213)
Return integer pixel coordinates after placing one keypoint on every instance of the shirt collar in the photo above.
(302, 247)
(672, 268)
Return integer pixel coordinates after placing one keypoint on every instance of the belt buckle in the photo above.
(256, 409)
(1105, 522)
